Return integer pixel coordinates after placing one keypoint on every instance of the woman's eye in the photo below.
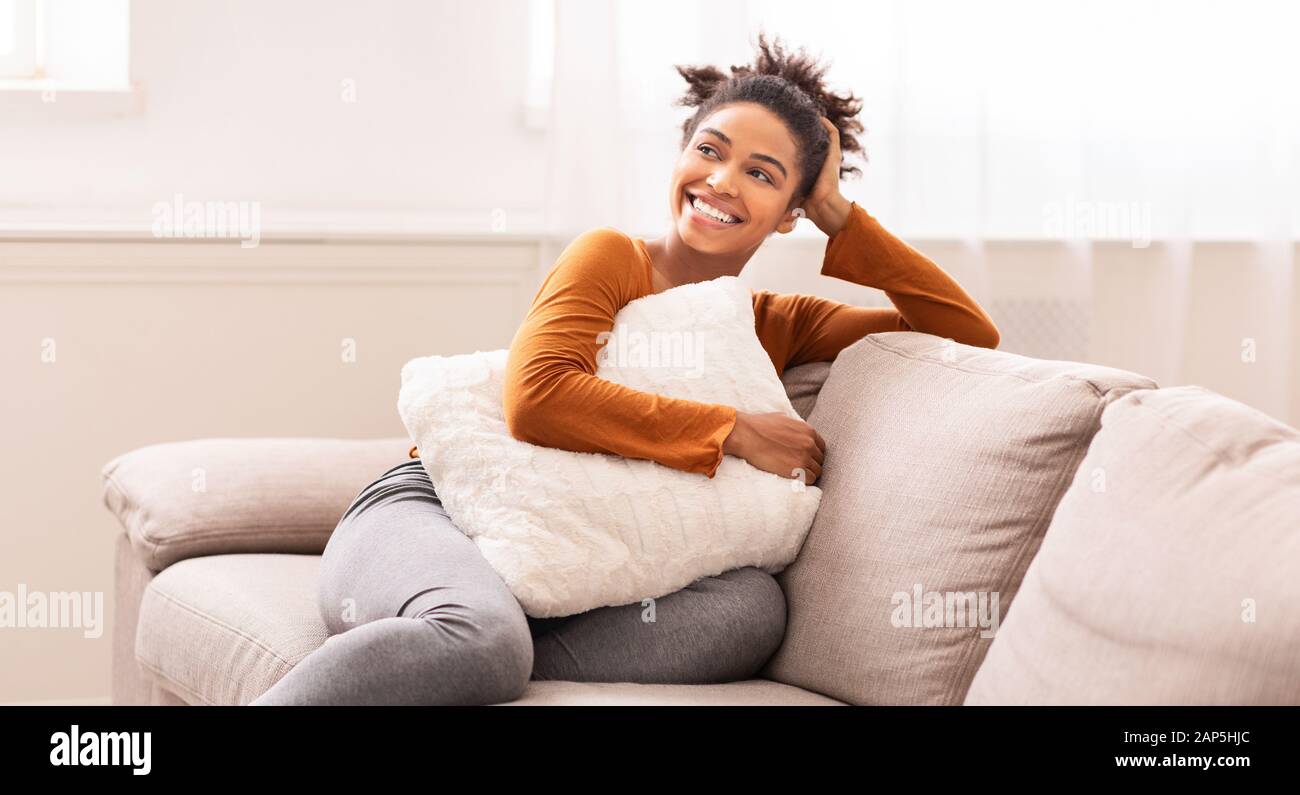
(765, 177)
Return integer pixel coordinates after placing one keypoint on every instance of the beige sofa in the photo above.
(1148, 538)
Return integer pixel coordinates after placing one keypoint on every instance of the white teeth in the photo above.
(712, 212)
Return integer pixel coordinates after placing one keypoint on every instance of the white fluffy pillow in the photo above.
(571, 531)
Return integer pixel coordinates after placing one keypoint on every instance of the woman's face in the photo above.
(741, 160)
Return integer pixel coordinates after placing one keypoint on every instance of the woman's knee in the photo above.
(427, 662)
(764, 608)
(493, 649)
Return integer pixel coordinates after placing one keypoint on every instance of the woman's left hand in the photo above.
(826, 206)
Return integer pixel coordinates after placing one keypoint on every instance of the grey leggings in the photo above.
(416, 615)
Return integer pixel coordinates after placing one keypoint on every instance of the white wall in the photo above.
(242, 100)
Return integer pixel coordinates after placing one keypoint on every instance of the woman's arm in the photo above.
(804, 328)
(552, 396)
(925, 297)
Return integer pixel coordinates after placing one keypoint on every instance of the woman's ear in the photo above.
(787, 224)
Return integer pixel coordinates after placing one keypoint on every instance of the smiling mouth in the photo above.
(692, 202)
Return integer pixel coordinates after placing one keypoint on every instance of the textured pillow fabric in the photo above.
(1168, 575)
(944, 463)
(571, 531)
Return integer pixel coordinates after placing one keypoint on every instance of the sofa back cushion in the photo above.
(943, 466)
(1168, 575)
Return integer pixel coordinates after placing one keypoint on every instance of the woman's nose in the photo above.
(721, 183)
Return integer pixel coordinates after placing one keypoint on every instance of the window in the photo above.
(541, 62)
(78, 45)
(18, 37)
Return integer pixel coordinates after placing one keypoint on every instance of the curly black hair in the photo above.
(792, 87)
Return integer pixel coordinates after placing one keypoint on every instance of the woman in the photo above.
(762, 149)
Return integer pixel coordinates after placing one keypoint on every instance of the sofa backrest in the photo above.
(943, 467)
(1169, 572)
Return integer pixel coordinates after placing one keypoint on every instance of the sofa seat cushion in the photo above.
(221, 629)
(944, 463)
(1168, 575)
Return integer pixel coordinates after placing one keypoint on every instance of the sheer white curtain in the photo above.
(1079, 163)
(983, 120)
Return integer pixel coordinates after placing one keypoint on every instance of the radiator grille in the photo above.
(1045, 328)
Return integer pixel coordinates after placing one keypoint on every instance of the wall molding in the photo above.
(295, 262)
(510, 265)
(273, 222)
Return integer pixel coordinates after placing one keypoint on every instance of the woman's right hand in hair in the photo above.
(777, 443)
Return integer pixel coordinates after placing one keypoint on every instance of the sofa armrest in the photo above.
(180, 500)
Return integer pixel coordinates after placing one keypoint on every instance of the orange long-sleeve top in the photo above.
(553, 398)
